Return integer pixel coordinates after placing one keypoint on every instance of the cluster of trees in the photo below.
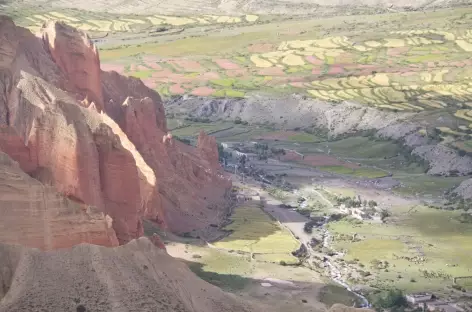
(221, 152)
(277, 151)
(355, 203)
(308, 227)
(433, 274)
(391, 299)
(463, 204)
(262, 151)
(378, 264)
(198, 119)
(465, 217)
(239, 121)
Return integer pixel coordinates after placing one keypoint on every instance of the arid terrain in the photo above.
(235, 155)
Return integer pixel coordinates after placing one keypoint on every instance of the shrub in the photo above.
(391, 299)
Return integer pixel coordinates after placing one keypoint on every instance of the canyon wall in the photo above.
(96, 139)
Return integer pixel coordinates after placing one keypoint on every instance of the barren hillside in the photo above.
(137, 277)
(238, 7)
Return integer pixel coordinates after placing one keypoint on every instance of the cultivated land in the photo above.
(253, 232)
(405, 63)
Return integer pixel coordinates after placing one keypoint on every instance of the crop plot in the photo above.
(255, 233)
(408, 70)
(119, 23)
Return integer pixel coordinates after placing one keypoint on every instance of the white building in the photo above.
(419, 297)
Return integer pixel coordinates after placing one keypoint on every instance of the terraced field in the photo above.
(101, 22)
(413, 69)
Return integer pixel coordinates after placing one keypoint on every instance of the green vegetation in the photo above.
(192, 129)
(343, 192)
(277, 258)
(278, 193)
(252, 231)
(364, 172)
(331, 294)
(429, 246)
(228, 93)
(304, 137)
(234, 271)
(223, 82)
(142, 74)
(392, 299)
(465, 283)
(425, 184)
(363, 147)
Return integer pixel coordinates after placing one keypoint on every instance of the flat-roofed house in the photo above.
(419, 297)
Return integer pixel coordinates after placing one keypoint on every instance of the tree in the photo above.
(384, 214)
(221, 152)
(237, 120)
(391, 299)
(372, 204)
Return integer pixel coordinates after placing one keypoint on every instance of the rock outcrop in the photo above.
(135, 277)
(464, 189)
(295, 112)
(444, 160)
(35, 215)
(97, 137)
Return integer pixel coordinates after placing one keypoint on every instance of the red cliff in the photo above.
(99, 139)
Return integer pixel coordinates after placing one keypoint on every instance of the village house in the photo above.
(416, 298)
(361, 213)
(357, 213)
(441, 306)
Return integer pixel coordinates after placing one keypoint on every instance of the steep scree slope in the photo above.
(136, 277)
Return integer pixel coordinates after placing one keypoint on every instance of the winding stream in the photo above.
(335, 273)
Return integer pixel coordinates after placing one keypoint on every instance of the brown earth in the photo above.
(136, 277)
(97, 138)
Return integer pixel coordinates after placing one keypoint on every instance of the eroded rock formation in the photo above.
(35, 215)
(96, 138)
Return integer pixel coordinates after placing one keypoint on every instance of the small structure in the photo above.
(442, 306)
(256, 198)
(416, 298)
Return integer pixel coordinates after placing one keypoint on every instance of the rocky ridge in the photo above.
(99, 139)
(337, 119)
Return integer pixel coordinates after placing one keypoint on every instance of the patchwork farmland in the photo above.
(411, 70)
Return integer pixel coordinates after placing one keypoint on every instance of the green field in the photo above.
(303, 137)
(436, 236)
(253, 232)
(234, 271)
(365, 172)
(342, 192)
(192, 129)
(362, 147)
(423, 184)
